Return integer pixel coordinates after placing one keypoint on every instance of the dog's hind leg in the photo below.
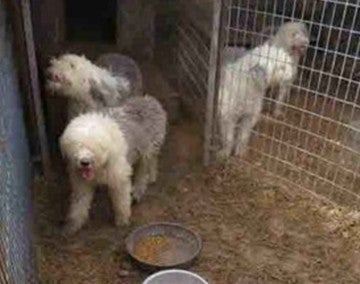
(120, 195)
(153, 167)
(243, 132)
(80, 200)
(227, 132)
(141, 178)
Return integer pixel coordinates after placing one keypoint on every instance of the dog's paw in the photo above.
(69, 229)
(153, 176)
(122, 217)
(139, 191)
(240, 150)
(124, 221)
(136, 196)
(222, 156)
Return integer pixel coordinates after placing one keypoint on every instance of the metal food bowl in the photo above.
(184, 246)
(174, 276)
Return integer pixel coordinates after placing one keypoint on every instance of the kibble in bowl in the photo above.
(163, 245)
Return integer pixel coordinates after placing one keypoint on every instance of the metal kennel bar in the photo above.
(199, 32)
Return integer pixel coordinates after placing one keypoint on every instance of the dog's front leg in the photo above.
(244, 128)
(80, 201)
(142, 176)
(120, 194)
(283, 90)
(227, 132)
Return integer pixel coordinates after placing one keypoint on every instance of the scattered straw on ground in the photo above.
(253, 230)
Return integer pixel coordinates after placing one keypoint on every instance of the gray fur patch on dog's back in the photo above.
(143, 122)
(125, 67)
(98, 97)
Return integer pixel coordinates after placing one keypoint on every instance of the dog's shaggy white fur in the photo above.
(105, 147)
(232, 53)
(90, 86)
(245, 80)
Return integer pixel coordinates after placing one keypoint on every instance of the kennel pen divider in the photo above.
(213, 79)
(316, 144)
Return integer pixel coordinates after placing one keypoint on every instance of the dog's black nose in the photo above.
(85, 163)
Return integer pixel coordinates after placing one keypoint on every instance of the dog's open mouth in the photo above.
(87, 173)
(53, 76)
(54, 80)
(52, 87)
(299, 50)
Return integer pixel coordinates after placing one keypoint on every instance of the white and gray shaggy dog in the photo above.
(113, 78)
(117, 147)
(244, 82)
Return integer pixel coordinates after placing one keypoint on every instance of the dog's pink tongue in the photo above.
(87, 173)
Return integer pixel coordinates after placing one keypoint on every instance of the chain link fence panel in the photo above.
(17, 259)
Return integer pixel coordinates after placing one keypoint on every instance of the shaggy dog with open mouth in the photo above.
(113, 78)
(245, 80)
(117, 147)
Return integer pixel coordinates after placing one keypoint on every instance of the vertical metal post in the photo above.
(212, 79)
(34, 85)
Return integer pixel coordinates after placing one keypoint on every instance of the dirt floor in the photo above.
(254, 229)
(310, 146)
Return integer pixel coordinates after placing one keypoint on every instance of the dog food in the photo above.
(151, 249)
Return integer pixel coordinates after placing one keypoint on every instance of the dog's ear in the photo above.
(52, 60)
(62, 146)
(104, 156)
(62, 152)
(124, 84)
(98, 92)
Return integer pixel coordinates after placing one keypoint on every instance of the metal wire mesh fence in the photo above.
(315, 144)
(16, 254)
(193, 54)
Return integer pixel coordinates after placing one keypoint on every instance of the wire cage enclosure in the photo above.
(193, 56)
(315, 144)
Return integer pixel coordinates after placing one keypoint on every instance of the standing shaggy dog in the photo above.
(104, 148)
(90, 86)
(245, 80)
